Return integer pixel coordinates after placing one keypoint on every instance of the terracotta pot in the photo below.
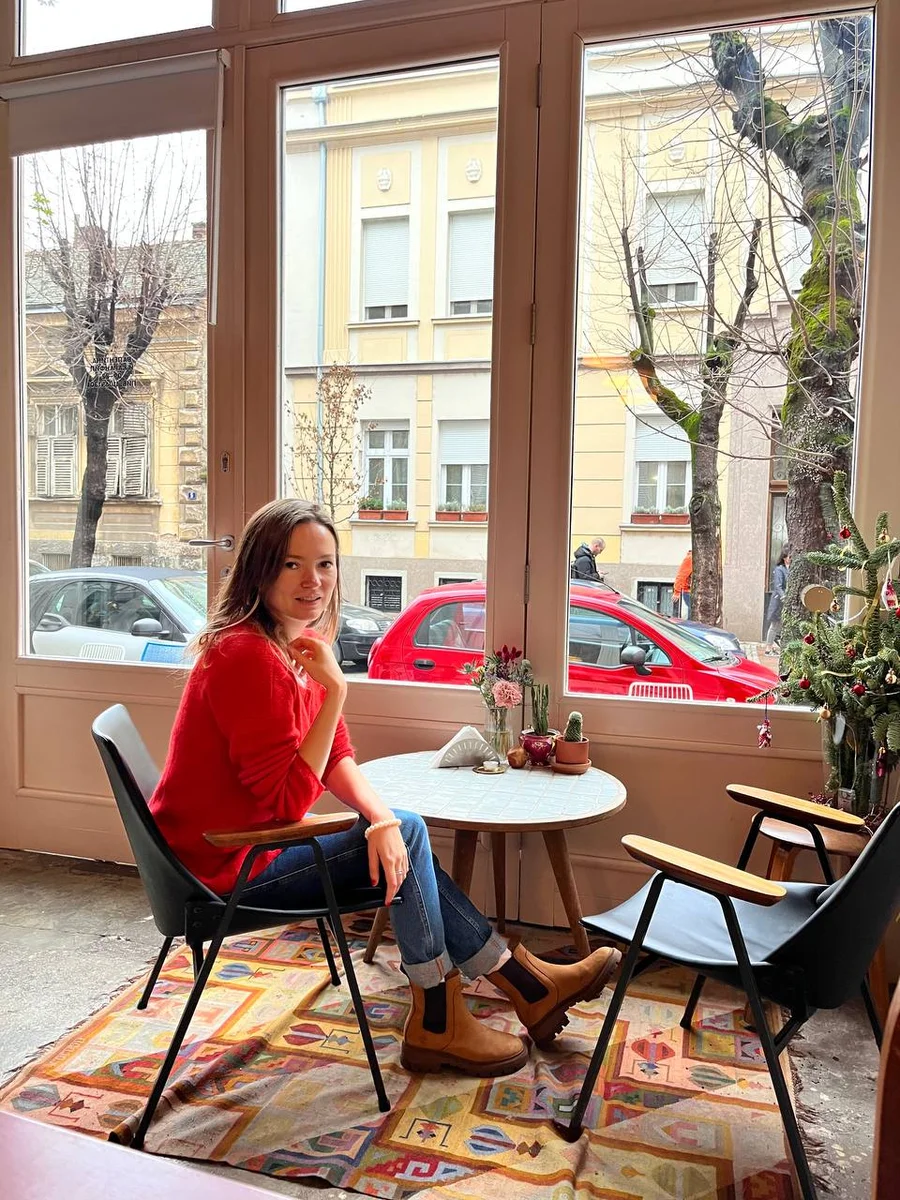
(369, 514)
(395, 514)
(645, 518)
(473, 517)
(446, 516)
(538, 746)
(572, 752)
(676, 519)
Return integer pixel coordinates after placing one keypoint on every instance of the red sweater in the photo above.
(233, 759)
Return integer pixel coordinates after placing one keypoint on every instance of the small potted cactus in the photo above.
(537, 742)
(573, 750)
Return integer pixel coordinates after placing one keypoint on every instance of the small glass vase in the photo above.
(858, 778)
(498, 730)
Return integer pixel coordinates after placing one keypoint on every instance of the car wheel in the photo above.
(338, 652)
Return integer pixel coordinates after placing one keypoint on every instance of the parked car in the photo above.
(720, 638)
(148, 614)
(617, 646)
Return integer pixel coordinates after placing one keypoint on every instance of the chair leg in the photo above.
(748, 980)
(572, 1131)
(326, 946)
(694, 998)
(154, 974)
(871, 1012)
(197, 954)
(334, 917)
(379, 924)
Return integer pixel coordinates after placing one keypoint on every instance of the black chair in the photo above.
(803, 946)
(183, 906)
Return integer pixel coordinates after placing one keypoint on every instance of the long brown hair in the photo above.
(259, 559)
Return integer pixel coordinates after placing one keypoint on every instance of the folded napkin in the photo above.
(467, 748)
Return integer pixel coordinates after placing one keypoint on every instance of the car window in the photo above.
(65, 603)
(597, 638)
(108, 604)
(457, 626)
(687, 641)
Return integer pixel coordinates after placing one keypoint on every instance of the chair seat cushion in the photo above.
(688, 925)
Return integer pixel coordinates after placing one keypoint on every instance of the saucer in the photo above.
(481, 771)
(570, 768)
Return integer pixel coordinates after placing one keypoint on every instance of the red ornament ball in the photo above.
(810, 640)
(850, 652)
(804, 683)
(858, 689)
(845, 532)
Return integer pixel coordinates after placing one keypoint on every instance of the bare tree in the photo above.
(327, 446)
(822, 152)
(112, 222)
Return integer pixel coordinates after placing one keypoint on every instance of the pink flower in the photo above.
(506, 694)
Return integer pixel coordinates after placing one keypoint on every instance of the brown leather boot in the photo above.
(541, 991)
(441, 1032)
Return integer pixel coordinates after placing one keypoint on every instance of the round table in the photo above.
(530, 800)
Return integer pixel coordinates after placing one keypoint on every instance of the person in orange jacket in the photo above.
(681, 589)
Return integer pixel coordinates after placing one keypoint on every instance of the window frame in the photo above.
(386, 427)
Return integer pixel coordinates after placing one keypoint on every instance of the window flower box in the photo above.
(474, 516)
(395, 514)
(447, 514)
(645, 518)
(370, 514)
(675, 519)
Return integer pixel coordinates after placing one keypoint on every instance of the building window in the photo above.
(128, 453)
(471, 268)
(656, 595)
(386, 450)
(440, 580)
(675, 247)
(55, 471)
(464, 452)
(662, 460)
(386, 268)
(56, 562)
(384, 592)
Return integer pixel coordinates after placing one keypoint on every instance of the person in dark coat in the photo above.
(584, 565)
(776, 601)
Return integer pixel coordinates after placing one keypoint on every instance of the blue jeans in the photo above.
(436, 925)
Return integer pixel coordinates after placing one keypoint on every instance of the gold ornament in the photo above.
(824, 714)
(816, 598)
(891, 677)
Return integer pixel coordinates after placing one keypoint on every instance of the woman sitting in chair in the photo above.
(258, 737)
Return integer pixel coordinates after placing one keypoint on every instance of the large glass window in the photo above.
(721, 268)
(113, 322)
(47, 25)
(387, 238)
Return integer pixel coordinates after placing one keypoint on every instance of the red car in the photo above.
(617, 647)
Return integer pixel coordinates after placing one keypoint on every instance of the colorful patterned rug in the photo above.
(273, 1079)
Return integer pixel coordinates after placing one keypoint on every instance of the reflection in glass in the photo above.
(387, 268)
(720, 301)
(114, 400)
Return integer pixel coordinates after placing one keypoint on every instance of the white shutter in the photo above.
(386, 262)
(471, 245)
(465, 442)
(660, 440)
(132, 419)
(674, 237)
(42, 466)
(62, 466)
(113, 466)
(134, 466)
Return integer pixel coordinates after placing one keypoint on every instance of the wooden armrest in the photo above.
(711, 875)
(789, 808)
(287, 831)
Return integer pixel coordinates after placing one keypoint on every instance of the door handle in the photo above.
(224, 543)
(424, 664)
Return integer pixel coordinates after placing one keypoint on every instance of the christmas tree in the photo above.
(850, 670)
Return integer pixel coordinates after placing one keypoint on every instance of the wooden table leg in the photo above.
(378, 927)
(558, 852)
(465, 842)
(498, 851)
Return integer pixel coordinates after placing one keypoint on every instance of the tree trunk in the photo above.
(93, 482)
(706, 511)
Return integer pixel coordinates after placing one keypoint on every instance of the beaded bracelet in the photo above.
(390, 823)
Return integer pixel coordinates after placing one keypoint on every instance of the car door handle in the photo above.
(424, 664)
